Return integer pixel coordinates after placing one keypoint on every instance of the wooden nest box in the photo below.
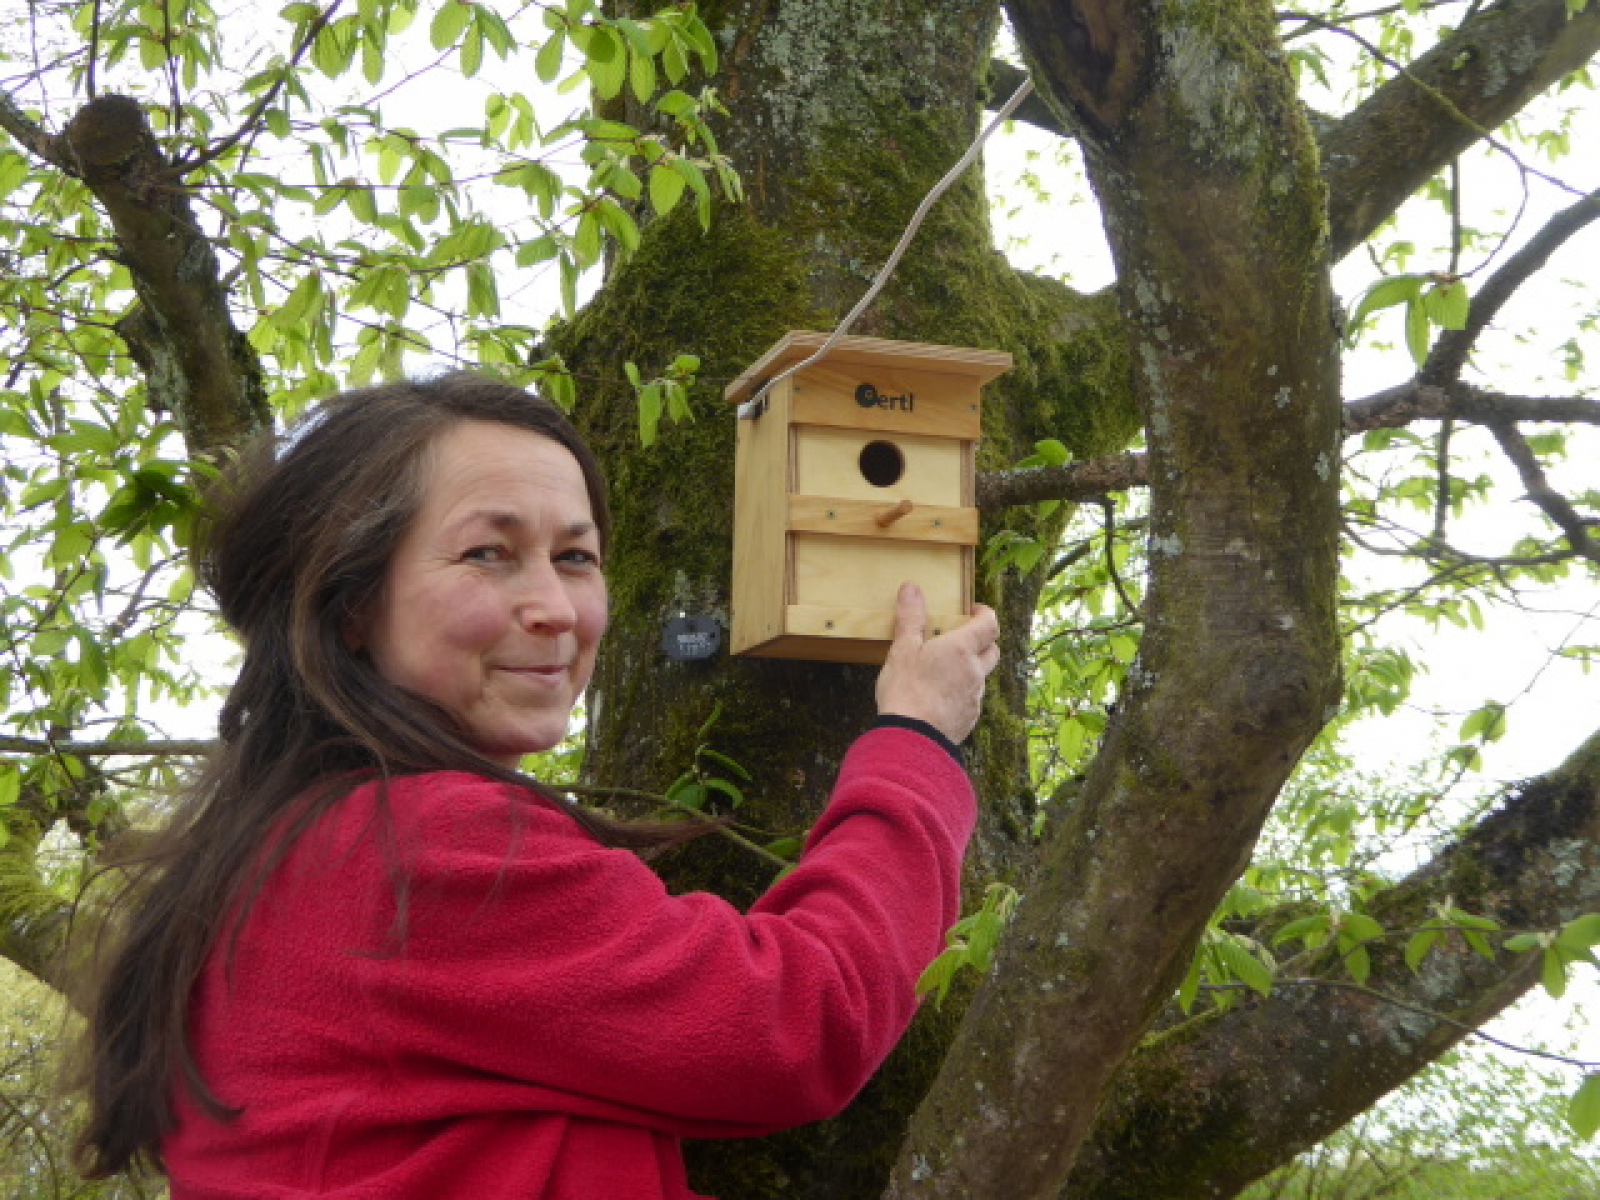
(853, 476)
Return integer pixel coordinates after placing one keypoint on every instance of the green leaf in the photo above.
(641, 76)
(1359, 963)
(547, 63)
(606, 62)
(731, 791)
(687, 792)
(1190, 987)
(587, 240)
(983, 938)
(448, 23)
(1359, 927)
(1051, 452)
(1553, 972)
(1448, 305)
(1312, 930)
(1580, 933)
(649, 413)
(483, 297)
(569, 285)
(666, 186)
(941, 972)
(1243, 965)
(1487, 724)
(1386, 293)
(472, 51)
(1417, 948)
(1583, 1110)
(695, 178)
(1419, 334)
(786, 847)
(622, 228)
(722, 760)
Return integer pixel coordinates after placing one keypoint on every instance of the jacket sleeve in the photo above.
(533, 954)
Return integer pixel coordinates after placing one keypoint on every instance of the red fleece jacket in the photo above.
(552, 1021)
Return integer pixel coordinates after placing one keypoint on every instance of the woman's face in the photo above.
(494, 601)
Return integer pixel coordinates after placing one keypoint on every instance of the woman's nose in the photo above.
(543, 602)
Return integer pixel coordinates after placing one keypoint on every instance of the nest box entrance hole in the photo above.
(882, 464)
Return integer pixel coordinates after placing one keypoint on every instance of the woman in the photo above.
(374, 961)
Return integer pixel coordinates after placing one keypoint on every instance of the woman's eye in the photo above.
(579, 558)
(486, 554)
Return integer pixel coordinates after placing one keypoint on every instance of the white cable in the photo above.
(752, 407)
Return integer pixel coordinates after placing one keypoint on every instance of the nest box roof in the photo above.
(798, 345)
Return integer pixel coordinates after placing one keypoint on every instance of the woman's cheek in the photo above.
(475, 620)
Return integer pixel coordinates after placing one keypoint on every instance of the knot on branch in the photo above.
(108, 134)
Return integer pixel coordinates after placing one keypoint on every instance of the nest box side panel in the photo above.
(761, 476)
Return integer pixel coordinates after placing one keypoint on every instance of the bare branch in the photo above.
(1470, 1031)
(187, 748)
(1071, 482)
(1390, 409)
(1399, 406)
(1554, 505)
(1450, 353)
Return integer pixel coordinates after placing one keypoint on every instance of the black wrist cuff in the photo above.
(892, 721)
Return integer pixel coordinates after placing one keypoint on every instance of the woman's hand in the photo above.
(938, 680)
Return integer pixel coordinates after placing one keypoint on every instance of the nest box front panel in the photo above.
(863, 575)
(898, 400)
(875, 466)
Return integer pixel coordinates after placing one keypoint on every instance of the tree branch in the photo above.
(32, 136)
(1414, 401)
(1478, 77)
(1005, 79)
(1391, 409)
(1072, 482)
(1472, 80)
(108, 749)
(1449, 354)
(1222, 278)
(1554, 505)
(216, 150)
(1533, 864)
(196, 362)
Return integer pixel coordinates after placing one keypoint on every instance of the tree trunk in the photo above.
(842, 124)
(1208, 178)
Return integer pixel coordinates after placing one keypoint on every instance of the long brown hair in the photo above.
(299, 542)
